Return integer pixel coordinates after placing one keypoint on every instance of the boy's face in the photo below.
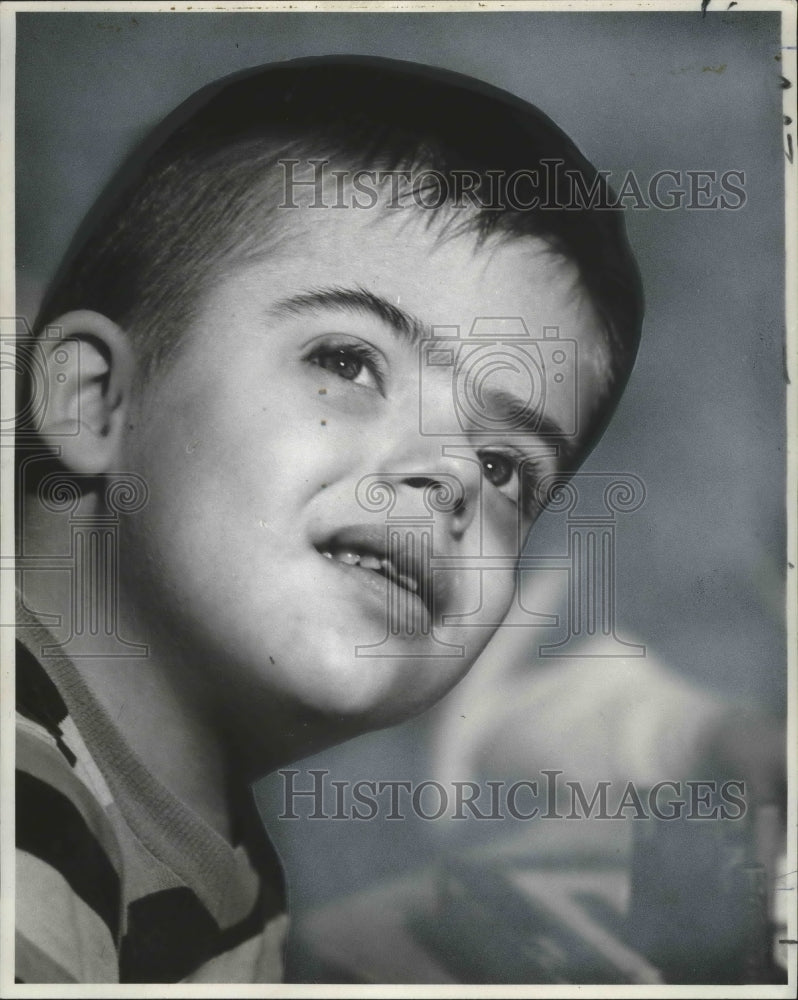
(300, 391)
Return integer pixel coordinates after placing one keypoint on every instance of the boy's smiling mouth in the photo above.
(401, 557)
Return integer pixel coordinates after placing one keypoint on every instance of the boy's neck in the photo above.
(164, 728)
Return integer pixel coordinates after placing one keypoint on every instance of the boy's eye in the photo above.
(357, 363)
(342, 362)
(514, 476)
(497, 468)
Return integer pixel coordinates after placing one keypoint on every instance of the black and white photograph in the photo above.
(398, 498)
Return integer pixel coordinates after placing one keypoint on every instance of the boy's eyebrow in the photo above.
(356, 299)
(523, 417)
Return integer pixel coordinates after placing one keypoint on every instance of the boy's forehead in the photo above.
(428, 277)
(437, 268)
(402, 244)
(336, 206)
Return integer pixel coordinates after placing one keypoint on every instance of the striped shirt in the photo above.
(117, 880)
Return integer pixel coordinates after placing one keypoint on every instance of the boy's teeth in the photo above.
(365, 561)
(371, 562)
(408, 582)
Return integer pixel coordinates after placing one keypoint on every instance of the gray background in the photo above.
(701, 566)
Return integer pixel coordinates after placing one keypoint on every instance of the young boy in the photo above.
(320, 355)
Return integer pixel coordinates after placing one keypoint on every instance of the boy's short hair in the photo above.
(199, 193)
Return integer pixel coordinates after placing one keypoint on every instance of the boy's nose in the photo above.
(428, 474)
(451, 491)
(424, 481)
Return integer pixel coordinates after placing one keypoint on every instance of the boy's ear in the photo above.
(89, 379)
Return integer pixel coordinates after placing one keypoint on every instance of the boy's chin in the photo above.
(316, 698)
(372, 687)
(288, 692)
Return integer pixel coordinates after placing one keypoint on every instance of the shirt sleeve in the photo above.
(68, 885)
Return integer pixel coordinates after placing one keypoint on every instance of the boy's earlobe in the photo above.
(89, 377)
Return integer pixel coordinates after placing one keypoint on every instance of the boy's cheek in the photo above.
(502, 528)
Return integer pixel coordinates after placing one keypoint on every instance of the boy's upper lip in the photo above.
(405, 547)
